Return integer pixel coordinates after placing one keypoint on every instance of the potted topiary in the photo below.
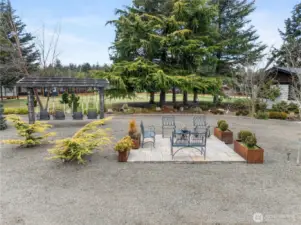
(134, 134)
(246, 146)
(123, 148)
(222, 132)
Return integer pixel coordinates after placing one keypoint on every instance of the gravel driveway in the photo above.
(36, 191)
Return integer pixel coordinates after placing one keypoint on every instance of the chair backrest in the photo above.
(142, 128)
(168, 121)
(199, 120)
(198, 138)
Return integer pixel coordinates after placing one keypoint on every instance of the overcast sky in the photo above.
(85, 38)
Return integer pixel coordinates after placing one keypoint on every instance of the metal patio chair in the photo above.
(150, 133)
(168, 123)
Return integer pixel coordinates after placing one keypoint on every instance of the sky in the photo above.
(84, 37)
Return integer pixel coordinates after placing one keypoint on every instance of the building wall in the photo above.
(284, 93)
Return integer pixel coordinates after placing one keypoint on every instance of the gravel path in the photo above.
(35, 191)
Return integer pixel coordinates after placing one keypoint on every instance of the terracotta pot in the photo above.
(251, 156)
(225, 136)
(123, 156)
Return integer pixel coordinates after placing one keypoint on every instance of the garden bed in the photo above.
(255, 155)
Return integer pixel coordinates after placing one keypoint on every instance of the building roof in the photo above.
(38, 82)
(288, 70)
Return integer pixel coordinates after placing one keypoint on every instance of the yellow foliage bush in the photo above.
(83, 142)
(21, 111)
(29, 132)
(125, 144)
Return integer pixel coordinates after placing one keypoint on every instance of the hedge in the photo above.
(20, 111)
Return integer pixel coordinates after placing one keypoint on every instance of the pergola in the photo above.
(61, 82)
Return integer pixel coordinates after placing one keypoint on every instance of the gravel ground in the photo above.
(35, 191)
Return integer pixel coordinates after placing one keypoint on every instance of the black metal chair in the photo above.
(200, 124)
(168, 123)
(150, 133)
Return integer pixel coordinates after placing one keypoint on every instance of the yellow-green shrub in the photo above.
(29, 132)
(278, 115)
(21, 111)
(83, 142)
(125, 144)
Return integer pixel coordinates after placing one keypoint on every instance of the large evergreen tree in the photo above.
(12, 64)
(237, 38)
(176, 41)
(289, 53)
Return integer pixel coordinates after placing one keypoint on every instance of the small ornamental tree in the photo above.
(3, 124)
(65, 98)
(73, 102)
(29, 132)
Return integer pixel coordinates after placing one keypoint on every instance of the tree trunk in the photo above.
(185, 98)
(1, 93)
(162, 98)
(174, 96)
(152, 98)
(195, 96)
(215, 99)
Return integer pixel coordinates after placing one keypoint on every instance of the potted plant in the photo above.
(134, 134)
(246, 146)
(222, 132)
(123, 148)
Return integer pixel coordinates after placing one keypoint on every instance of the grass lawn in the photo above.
(92, 100)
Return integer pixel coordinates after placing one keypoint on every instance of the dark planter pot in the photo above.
(123, 156)
(136, 143)
(225, 136)
(43, 115)
(251, 156)
(59, 115)
(77, 116)
(92, 115)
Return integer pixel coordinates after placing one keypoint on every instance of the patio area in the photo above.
(217, 151)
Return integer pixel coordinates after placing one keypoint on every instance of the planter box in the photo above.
(92, 115)
(43, 115)
(225, 136)
(251, 156)
(59, 115)
(77, 116)
(123, 156)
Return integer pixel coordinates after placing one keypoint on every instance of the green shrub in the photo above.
(65, 98)
(220, 121)
(242, 113)
(251, 141)
(243, 134)
(241, 104)
(204, 106)
(223, 126)
(292, 107)
(262, 115)
(280, 107)
(260, 106)
(278, 115)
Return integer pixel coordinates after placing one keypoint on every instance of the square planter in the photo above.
(92, 115)
(77, 116)
(123, 156)
(136, 143)
(59, 115)
(43, 115)
(225, 136)
(251, 156)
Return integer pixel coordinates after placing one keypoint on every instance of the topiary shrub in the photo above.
(243, 134)
(219, 122)
(251, 141)
(223, 126)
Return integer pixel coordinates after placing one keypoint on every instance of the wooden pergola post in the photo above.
(30, 105)
(101, 102)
